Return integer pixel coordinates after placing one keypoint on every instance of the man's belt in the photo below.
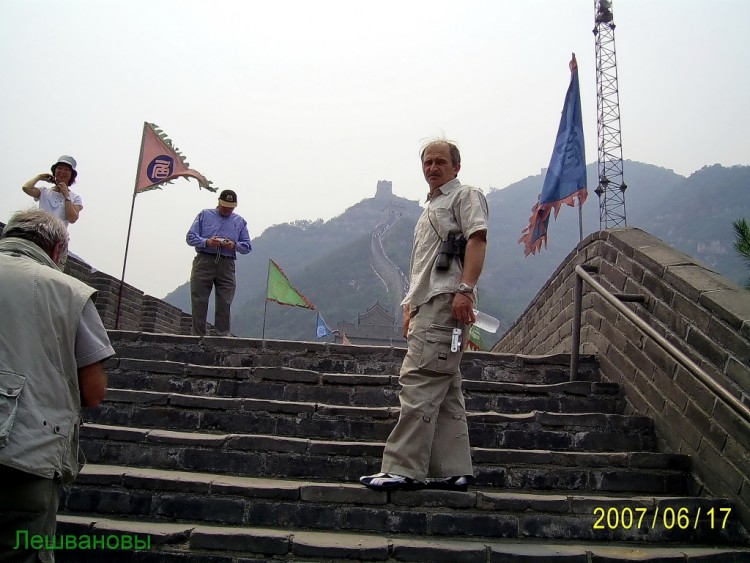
(215, 254)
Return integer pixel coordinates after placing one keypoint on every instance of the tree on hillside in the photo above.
(742, 242)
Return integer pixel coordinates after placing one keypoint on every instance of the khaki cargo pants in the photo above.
(431, 437)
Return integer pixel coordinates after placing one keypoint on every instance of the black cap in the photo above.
(228, 198)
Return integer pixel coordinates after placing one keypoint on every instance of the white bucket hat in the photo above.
(70, 161)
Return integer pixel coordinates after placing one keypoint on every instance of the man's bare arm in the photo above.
(463, 304)
(92, 380)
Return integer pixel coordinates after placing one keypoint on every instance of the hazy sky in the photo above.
(301, 107)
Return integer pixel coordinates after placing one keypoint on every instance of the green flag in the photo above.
(475, 339)
(280, 290)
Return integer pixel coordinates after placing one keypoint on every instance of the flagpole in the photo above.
(265, 305)
(580, 220)
(130, 226)
(573, 65)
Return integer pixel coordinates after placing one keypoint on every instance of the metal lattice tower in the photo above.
(611, 188)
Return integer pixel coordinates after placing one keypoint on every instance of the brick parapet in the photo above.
(138, 311)
(698, 311)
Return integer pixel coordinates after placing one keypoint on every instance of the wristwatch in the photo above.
(465, 288)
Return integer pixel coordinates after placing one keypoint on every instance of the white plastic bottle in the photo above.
(486, 322)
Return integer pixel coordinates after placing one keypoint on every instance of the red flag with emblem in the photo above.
(160, 162)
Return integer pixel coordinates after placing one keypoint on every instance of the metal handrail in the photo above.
(581, 275)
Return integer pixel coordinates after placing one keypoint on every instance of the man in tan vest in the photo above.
(52, 344)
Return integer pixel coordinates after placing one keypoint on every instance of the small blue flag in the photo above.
(322, 328)
(565, 180)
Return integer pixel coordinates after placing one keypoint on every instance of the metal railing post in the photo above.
(576, 348)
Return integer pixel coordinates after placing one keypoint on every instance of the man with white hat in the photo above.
(217, 235)
(57, 200)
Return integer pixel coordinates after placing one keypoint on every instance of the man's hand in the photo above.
(407, 318)
(214, 242)
(463, 308)
(228, 244)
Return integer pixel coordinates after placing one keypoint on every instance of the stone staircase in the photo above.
(231, 450)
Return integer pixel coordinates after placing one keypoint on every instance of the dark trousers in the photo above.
(28, 503)
(209, 272)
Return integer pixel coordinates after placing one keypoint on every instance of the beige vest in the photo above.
(40, 401)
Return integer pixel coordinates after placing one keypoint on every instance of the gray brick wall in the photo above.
(701, 313)
(138, 311)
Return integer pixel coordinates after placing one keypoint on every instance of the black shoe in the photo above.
(457, 483)
(390, 482)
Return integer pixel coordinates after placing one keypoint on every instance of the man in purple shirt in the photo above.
(217, 235)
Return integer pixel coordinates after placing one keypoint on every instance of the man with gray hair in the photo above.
(429, 446)
(52, 344)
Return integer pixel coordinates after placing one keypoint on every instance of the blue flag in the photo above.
(565, 180)
(322, 328)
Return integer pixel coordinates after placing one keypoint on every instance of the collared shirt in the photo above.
(53, 202)
(209, 223)
(453, 208)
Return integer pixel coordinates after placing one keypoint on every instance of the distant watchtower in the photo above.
(611, 188)
(385, 189)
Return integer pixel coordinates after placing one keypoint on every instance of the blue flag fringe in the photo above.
(565, 181)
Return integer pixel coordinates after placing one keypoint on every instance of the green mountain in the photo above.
(335, 263)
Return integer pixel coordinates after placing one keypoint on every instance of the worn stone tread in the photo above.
(332, 358)
(145, 399)
(279, 443)
(577, 388)
(550, 419)
(334, 491)
(533, 430)
(251, 450)
(198, 542)
(220, 380)
(492, 456)
(484, 511)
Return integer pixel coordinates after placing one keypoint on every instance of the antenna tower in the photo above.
(611, 188)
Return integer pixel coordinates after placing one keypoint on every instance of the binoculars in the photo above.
(453, 246)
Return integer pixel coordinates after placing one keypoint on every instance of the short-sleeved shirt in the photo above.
(53, 202)
(453, 208)
(92, 342)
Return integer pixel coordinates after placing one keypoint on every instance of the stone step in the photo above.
(484, 512)
(506, 398)
(545, 470)
(188, 542)
(257, 447)
(336, 358)
(537, 429)
(292, 384)
(291, 457)
(562, 431)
